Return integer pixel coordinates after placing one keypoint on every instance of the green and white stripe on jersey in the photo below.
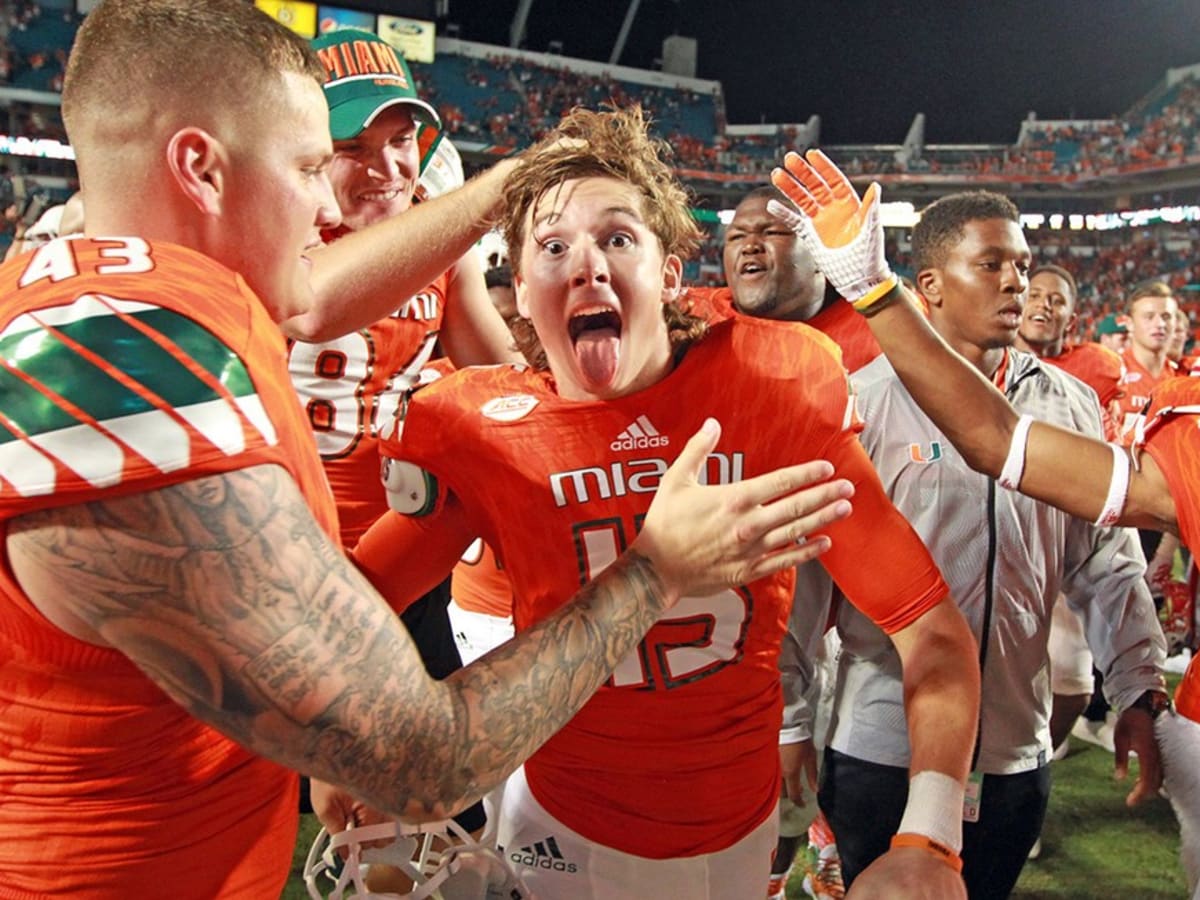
(100, 381)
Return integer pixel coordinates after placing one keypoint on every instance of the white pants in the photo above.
(559, 864)
(476, 633)
(1179, 741)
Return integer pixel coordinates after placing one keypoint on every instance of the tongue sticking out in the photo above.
(598, 351)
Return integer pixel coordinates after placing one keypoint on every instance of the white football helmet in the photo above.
(493, 250)
(443, 172)
(443, 861)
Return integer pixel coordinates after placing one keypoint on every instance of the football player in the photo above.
(667, 783)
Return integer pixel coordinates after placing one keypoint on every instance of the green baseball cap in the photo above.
(1110, 324)
(366, 76)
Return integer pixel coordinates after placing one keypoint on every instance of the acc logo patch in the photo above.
(509, 409)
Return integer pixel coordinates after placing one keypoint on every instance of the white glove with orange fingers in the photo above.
(843, 233)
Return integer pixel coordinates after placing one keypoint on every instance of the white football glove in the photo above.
(844, 233)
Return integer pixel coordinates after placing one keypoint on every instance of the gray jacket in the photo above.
(1006, 558)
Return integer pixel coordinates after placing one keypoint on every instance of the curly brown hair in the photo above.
(613, 143)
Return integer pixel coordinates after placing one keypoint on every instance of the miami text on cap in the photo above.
(366, 76)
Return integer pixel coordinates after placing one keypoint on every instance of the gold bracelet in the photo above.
(877, 293)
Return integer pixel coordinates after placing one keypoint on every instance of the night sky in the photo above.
(866, 67)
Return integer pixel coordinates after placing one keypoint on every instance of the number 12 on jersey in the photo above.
(694, 639)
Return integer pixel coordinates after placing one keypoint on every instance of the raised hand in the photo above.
(844, 233)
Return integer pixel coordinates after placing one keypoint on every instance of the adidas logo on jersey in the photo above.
(543, 855)
(640, 435)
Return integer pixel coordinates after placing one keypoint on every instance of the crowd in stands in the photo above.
(706, 268)
(1152, 135)
(1104, 264)
(1164, 132)
(1117, 259)
(510, 102)
(33, 120)
(33, 45)
(751, 154)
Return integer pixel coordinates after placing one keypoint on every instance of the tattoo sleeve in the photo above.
(228, 595)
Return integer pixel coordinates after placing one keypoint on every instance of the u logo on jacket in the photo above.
(917, 454)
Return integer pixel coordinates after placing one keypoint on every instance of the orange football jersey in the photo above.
(678, 754)
(849, 330)
(837, 320)
(351, 385)
(1099, 368)
(1138, 384)
(480, 584)
(126, 367)
(1170, 433)
(712, 304)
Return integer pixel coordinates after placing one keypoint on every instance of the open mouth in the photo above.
(596, 336)
(751, 268)
(1011, 316)
(604, 320)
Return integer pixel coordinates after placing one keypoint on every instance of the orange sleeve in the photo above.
(710, 304)
(1187, 693)
(1099, 368)
(1173, 444)
(850, 331)
(405, 557)
(877, 559)
(1108, 375)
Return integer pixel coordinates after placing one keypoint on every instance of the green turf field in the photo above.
(295, 889)
(1093, 846)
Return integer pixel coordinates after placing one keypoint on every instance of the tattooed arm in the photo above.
(230, 597)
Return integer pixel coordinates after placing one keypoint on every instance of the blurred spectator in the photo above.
(33, 51)
(1112, 333)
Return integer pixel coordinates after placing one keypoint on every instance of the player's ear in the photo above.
(929, 283)
(672, 278)
(197, 162)
(520, 292)
(1072, 321)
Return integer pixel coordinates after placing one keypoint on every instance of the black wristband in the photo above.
(896, 293)
(1153, 702)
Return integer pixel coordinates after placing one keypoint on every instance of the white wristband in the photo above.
(1118, 488)
(1014, 465)
(934, 808)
